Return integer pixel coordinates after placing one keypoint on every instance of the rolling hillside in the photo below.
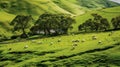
(36, 7)
(10, 8)
(108, 13)
(95, 49)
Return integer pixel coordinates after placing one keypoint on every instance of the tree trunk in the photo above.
(45, 32)
(24, 35)
(48, 31)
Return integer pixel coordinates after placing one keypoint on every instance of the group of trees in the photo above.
(60, 23)
(116, 22)
(98, 23)
(20, 23)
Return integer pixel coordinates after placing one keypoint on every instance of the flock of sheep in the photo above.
(74, 41)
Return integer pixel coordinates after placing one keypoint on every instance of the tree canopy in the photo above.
(116, 22)
(60, 23)
(21, 22)
(98, 23)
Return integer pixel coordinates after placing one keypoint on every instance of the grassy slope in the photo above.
(88, 53)
(108, 13)
(37, 7)
(4, 23)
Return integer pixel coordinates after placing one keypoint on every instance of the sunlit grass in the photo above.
(45, 51)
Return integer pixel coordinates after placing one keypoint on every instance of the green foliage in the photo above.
(10, 8)
(97, 24)
(107, 13)
(116, 22)
(56, 22)
(21, 22)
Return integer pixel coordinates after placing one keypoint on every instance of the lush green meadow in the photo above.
(60, 51)
(98, 49)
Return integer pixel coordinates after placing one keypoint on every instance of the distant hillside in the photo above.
(108, 13)
(10, 8)
(36, 7)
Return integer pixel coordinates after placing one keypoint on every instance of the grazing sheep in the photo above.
(39, 42)
(99, 42)
(73, 47)
(59, 40)
(94, 38)
(75, 40)
(75, 44)
(109, 34)
(76, 35)
(10, 49)
(26, 46)
(33, 41)
(83, 40)
(51, 43)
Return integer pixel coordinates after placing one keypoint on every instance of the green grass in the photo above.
(88, 53)
(60, 54)
(108, 13)
(37, 7)
(10, 8)
(5, 19)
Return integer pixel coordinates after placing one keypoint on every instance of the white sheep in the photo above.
(94, 38)
(51, 43)
(59, 40)
(26, 46)
(33, 41)
(99, 42)
(83, 40)
(73, 40)
(73, 47)
(40, 42)
(75, 44)
(109, 34)
(76, 40)
(10, 49)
